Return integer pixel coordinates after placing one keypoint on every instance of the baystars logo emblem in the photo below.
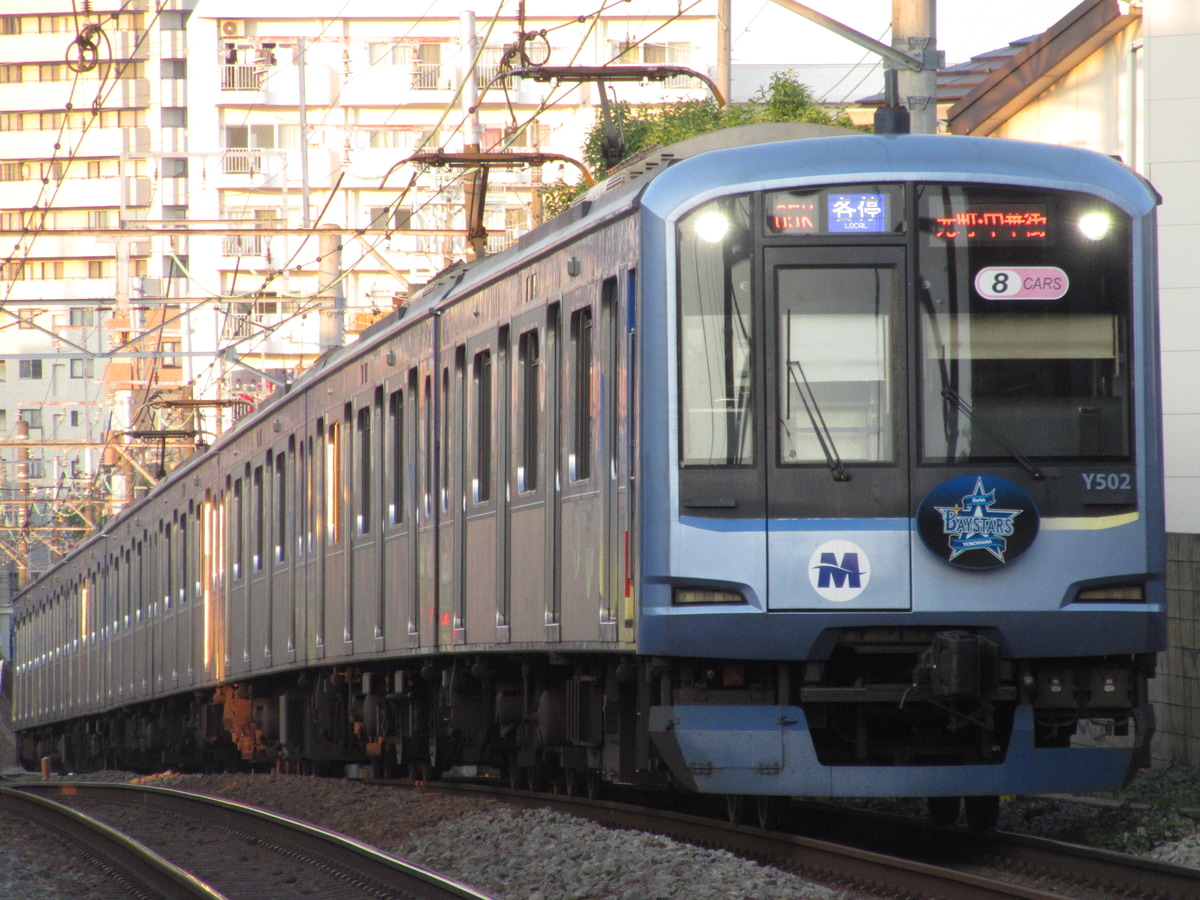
(976, 525)
(839, 571)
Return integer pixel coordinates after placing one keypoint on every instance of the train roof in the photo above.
(665, 180)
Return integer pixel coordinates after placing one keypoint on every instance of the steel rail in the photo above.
(131, 865)
(360, 866)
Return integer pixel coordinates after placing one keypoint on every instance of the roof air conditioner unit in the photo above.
(233, 28)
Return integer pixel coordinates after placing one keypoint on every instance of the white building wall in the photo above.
(1172, 49)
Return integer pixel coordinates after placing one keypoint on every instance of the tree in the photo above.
(783, 99)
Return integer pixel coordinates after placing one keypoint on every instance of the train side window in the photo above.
(184, 556)
(579, 459)
(239, 536)
(281, 503)
(481, 384)
(528, 425)
(259, 519)
(333, 493)
(396, 417)
(363, 436)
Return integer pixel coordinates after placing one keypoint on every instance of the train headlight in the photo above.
(690, 596)
(712, 226)
(1095, 225)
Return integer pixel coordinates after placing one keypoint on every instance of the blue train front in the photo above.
(900, 502)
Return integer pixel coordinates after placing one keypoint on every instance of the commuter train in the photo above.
(789, 461)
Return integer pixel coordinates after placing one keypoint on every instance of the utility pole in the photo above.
(724, 78)
(914, 32)
(475, 187)
(913, 57)
(331, 292)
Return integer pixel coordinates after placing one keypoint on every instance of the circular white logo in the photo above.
(839, 570)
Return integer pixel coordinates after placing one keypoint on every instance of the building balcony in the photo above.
(253, 168)
(275, 85)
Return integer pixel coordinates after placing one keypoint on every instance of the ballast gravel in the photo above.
(508, 853)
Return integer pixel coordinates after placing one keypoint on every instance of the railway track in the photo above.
(232, 850)
(129, 868)
(890, 856)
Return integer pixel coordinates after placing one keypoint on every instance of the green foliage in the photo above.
(783, 99)
(1124, 829)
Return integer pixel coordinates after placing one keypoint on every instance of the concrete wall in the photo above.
(1176, 690)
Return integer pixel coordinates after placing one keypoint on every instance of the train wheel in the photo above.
(767, 808)
(944, 810)
(572, 782)
(735, 808)
(983, 813)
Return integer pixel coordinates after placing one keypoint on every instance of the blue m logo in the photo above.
(831, 573)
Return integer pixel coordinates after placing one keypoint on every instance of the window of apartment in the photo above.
(12, 122)
(13, 171)
(427, 75)
(96, 268)
(174, 69)
(174, 117)
(170, 359)
(388, 54)
(83, 368)
(3, 370)
(238, 137)
(75, 418)
(11, 74)
(97, 218)
(95, 169)
(175, 167)
(81, 316)
(52, 72)
(10, 24)
(29, 369)
(32, 416)
(52, 121)
(173, 20)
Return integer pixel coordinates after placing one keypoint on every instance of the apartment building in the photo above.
(198, 197)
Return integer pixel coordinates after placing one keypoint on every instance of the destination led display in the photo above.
(994, 223)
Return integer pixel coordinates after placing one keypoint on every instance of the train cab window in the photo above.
(834, 333)
(1024, 325)
(716, 328)
(579, 460)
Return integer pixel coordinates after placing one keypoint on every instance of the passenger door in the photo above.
(836, 407)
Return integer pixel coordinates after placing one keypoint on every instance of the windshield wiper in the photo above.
(953, 397)
(820, 429)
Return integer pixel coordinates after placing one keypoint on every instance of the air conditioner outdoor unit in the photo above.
(233, 28)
